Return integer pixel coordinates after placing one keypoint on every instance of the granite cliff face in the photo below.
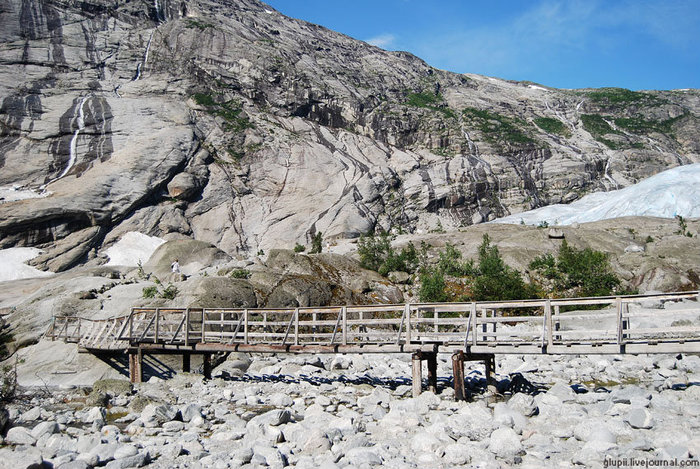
(227, 122)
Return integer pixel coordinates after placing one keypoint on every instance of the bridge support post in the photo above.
(135, 365)
(490, 372)
(417, 377)
(431, 358)
(458, 374)
(186, 363)
(207, 365)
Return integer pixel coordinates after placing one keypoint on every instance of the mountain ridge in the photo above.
(230, 123)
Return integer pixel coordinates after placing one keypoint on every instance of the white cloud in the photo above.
(383, 40)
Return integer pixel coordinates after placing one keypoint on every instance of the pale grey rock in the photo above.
(19, 436)
(639, 418)
(44, 428)
(505, 416)
(273, 417)
(161, 413)
(563, 392)
(104, 452)
(125, 451)
(523, 403)
(457, 454)
(268, 456)
(340, 362)
(364, 455)
(137, 460)
(31, 415)
(75, 464)
(173, 426)
(426, 442)
(190, 411)
(674, 452)
(281, 400)
(505, 443)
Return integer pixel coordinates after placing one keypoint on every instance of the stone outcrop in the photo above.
(229, 123)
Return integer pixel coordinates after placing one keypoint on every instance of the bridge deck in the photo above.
(515, 327)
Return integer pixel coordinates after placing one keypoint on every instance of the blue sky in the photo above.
(636, 44)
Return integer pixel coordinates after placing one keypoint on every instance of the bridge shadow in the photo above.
(153, 365)
(475, 383)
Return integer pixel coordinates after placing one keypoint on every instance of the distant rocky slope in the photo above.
(227, 122)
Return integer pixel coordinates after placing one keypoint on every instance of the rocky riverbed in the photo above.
(357, 411)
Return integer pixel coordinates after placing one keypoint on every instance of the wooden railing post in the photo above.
(296, 326)
(618, 301)
(473, 324)
(407, 312)
(245, 326)
(204, 315)
(345, 325)
(155, 338)
(548, 321)
(187, 327)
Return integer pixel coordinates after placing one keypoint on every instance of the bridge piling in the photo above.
(458, 375)
(186, 367)
(416, 376)
(207, 368)
(136, 365)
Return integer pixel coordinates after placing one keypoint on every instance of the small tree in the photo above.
(316, 243)
(497, 281)
(432, 287)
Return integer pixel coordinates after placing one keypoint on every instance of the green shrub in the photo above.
(240, 273)
(578, 272)
(449, 263)
(316, 243)
(376, 253)
(150, 292)
(169, 292)
(497, 128)
(552, 126)
(299, 248)
(432, 287)
(8, 383)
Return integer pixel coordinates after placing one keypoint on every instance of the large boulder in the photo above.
(192, 255)
(222, 292)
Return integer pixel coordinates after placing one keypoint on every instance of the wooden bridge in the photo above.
(471, 331)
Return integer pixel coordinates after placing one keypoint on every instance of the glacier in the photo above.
(671, 193)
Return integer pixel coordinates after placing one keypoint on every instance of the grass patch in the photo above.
(623, 96)
(598, 128)
(497, 128)
(640, 125)
(229, 110)
(552, 126)
(431, 101)
(191, 23)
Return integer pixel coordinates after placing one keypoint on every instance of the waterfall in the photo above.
(79, 121)
(140, 66)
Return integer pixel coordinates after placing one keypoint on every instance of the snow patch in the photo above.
(535, 87)
(666, 195)
(13, 267)
(15, 192)
(132, 248)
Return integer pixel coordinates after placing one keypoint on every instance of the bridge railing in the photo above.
(618, 320)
